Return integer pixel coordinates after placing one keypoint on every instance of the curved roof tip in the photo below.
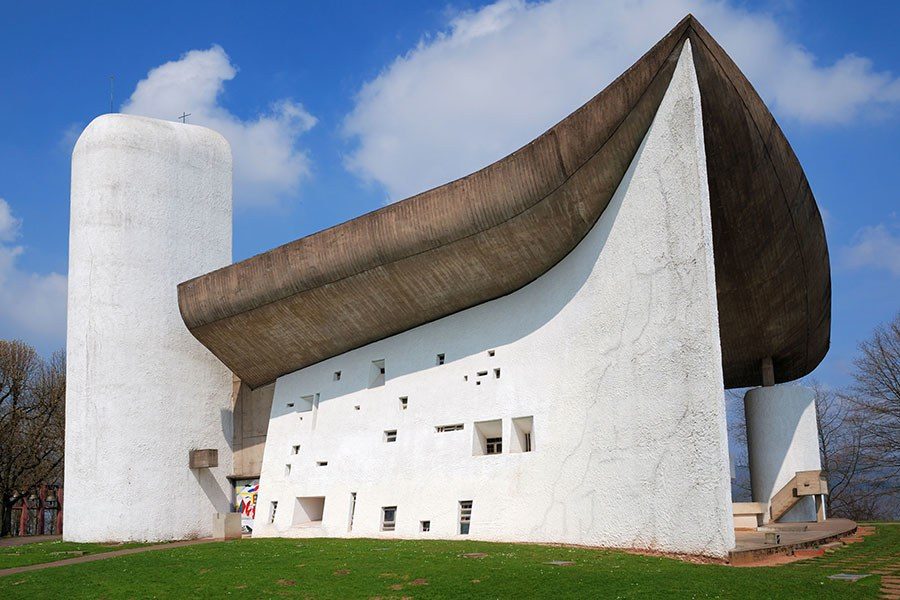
(387, 271)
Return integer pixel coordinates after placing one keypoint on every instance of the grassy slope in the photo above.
(42, 552)
(393, 569)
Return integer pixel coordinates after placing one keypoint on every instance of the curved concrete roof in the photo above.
(492, 232)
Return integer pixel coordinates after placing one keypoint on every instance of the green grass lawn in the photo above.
(321, 568)
(42, 552)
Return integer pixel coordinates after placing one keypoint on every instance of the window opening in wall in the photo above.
(440, 359)
(404, 402)
(490, 352)
(308, 510)
(295, 449)
(273, 507)
(446, 428)
(376, 375)
(523, 432)
(425, 526)
(496, 373)
(337, 376)
(352, 510)
(477, 383)
(388, 518)
(306, 403)
(488, 437)
(465, 516)
(482, 373)
(465, 377)
(290, 405)
(287, 469)
(390, 435)
(356, 407)
(321, 463)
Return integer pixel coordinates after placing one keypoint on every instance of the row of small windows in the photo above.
(308, 510)
(377, 373)
(488, 438)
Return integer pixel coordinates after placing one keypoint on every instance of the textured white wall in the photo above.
(614, 352)
(151, 207)
(782, 438)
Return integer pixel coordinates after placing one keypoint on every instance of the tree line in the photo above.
(32, 423)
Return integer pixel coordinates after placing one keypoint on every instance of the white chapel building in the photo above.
(536, 352)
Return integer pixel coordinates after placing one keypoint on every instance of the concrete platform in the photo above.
(751, 546)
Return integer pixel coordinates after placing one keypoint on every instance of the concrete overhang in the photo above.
(490, 233)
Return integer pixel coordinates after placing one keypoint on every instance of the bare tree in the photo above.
(32, 422)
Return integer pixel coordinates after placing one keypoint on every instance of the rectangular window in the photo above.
(352, 510)
(487, 437)
(388, 518)
(404, 402)
(308, 510)
(465, 516)
(496, 373)
(322, 463)
(287, 470)
(425, 526)
(446, 428)
(295, 449)
(273, 507)
(376, 375)
(390, 435)
(523, 434)
(440, 359)
(290, 405)
(337, 376)
(490, 352)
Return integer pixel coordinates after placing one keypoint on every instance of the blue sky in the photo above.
(334, 109)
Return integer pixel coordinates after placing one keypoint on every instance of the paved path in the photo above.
(21, 540)
(101, 556)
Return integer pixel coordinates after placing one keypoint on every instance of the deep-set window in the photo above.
(336, 376)
(425, 526)
(465, 516)
(388, 518)
(273, 508)
(404, 402)
(440, 359)
(390, 435)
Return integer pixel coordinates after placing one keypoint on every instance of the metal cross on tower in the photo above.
(184, 117)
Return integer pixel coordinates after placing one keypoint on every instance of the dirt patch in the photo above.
(286, 582)
(419, 581)
(342, 572)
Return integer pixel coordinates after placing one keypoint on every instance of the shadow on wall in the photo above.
(219, 500)
(483, 327)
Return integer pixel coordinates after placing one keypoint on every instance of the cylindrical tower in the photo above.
(150, 208)
(782, 439)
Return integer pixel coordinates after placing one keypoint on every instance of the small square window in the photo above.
(321, 463)
(425, 526)
(356, 407)
(494, 445)
(390, 435)
(404, 402)
(337, 376)
(295, 449)
(490, 352)
(440, 359)
(388, 518)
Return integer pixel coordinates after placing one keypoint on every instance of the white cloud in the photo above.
(32, 306)
(873, 248)
(268, 164)
(499, 76)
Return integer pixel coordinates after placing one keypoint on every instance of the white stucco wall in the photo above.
(782, 438)
(615, 354)
(151, 207)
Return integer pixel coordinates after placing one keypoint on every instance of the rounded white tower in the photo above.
(782, 439)
(150, 208)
